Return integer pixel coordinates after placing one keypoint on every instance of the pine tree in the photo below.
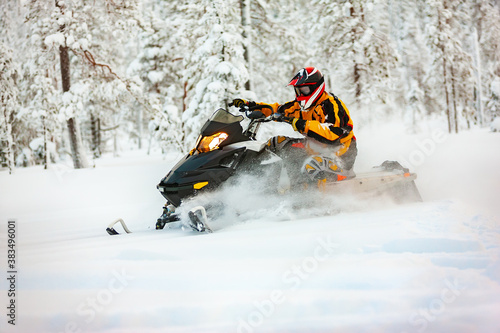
(246, 23)
(486, 17)
(159, 64)
(456, 74)
(356, 51)
(280, 47)
(8, 104)
(96, 38)
(216, 69)
(406, 30)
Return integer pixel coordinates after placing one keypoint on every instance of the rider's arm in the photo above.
(325, 132)
(335, 126)
(266, 111)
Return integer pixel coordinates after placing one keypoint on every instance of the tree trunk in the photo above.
(184, 97)
(8, 101)
(96, 135)
(453, 95)
(45, 145)
(357, 82)
(9, 153)
(445, 78)
(78, 154)
(356, 69)
(445, 85)
(79, 158)
(477, 58)
(139, 126)
(246, 23)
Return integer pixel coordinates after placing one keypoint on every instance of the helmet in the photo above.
(309, 85)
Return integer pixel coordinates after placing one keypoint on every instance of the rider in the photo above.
(328, 150)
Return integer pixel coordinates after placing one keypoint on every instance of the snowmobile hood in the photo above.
(194, 172)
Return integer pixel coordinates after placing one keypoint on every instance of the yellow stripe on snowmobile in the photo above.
(197, 186)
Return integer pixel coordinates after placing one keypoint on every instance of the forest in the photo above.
(81, 78)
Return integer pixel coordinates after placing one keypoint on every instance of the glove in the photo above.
(238, 102)
(241, 103)
(297, 124)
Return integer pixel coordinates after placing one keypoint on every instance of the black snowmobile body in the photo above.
(221, 149)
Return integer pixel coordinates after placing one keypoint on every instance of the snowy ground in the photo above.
(424, 267)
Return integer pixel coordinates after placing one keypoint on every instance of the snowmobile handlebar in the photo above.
(246, 108)
(254, 113)
(256, 118)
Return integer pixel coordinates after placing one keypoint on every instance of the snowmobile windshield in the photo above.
(223, 121)
(221, 129)
(224, 117)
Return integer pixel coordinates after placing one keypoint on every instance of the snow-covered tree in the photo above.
(9, 103)
(280, 47)
(453, 71)
(487, 22)
(357, 53)
(406, 30)
(493, 102)
(159, 64)
(216, 68)
(97, 39)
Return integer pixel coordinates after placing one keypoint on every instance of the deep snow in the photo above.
(374, 267)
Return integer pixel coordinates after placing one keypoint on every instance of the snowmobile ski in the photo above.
(111, 230)
(197, 222)
(198, 219)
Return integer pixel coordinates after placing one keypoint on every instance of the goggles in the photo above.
(304, 90)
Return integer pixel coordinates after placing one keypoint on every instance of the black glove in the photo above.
(239, 102)
(242, 104)
(280, 117)
(297, 124)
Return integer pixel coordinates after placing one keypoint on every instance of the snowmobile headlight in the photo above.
(212, 142)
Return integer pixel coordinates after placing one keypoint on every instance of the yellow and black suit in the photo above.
(327, 122)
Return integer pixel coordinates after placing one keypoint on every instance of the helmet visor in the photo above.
(304, 90)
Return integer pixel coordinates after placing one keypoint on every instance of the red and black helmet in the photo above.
(309, 85)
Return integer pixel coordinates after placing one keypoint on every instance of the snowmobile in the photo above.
(224, 149)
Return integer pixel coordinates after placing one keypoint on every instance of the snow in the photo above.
(56, 39)
(495, 86)
(155, 76)
(495, 125)
(377, 267)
